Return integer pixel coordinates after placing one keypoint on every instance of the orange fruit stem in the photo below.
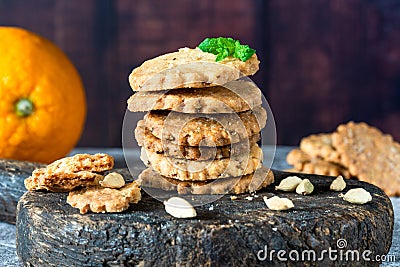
(24, 107)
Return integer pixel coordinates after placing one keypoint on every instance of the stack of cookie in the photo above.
(202, 125)
(353, 150)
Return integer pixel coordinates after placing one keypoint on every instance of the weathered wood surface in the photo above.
(12, 175)
(52, 233)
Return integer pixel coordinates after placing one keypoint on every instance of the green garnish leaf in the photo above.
(225, 47)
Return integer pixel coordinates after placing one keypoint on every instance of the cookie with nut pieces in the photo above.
(189, 68)
(102, 199)
(234, 185)
(66, 174)
(235, 96)
(60, 181)
(320, 146)
(304, 163)
(146, 139)
(205, 130)
(369, 155)
(83, 162)
(187, 170)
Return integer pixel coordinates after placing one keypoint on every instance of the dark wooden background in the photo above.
(323, 62)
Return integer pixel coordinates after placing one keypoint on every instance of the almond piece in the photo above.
(277, 203)
(179, 208)
(113, 180)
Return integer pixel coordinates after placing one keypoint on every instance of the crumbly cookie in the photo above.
(235, 96)
(297, 157)
(369, 155)
(234, 185)
(100, 199)
(320, 145)
(83, 162)
(205, 130)
(188, 170)
(190, 68)
(147, 140)
(60, 181)
(304, 163)
(68, 173)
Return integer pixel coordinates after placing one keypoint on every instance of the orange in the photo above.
(42, 99)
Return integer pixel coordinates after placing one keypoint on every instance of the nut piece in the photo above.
(357, 196)
(179, 208)
(338, 184)
(289, 184)
(305, 187)
(113, 180)
(277, 203)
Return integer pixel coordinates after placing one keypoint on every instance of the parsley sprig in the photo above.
(226, 47)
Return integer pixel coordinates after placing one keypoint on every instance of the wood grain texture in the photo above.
(12, 176)
(323, 62)
(230, 234)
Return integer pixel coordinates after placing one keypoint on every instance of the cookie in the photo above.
(83, 162)
(234, 185)
(235, 96)
(189, 68)
(68, 173)
(205, 130)
(100, 199)
(305, 163)
(147, 140)
(188, 170)
(369, 155)
(297, 157)
(320, 145)
(60, 181)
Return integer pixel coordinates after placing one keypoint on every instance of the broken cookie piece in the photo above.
(100, 199)
(66, 174)
(43, 179)
(83, 162)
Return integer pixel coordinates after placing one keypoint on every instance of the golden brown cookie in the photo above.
(147, 140)
(370, 155)
(83, 162)
(205, 130)
(187, 170)
(304, 163)
(297, 157)
(320, 146)
(60, 181)
(190, 68)
(234, 185)
(100, 199)
(68, 173)
(235, 96)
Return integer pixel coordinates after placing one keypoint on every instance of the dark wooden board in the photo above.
(12, 176)
(52, 233)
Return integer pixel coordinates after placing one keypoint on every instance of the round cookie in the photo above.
(205, 130)
(101, 199)
(189, 68)
(147, 140)
(320, 145)
(305, 163)
(235, 96)
(233, 185)
(369, 155)
(187, 170)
